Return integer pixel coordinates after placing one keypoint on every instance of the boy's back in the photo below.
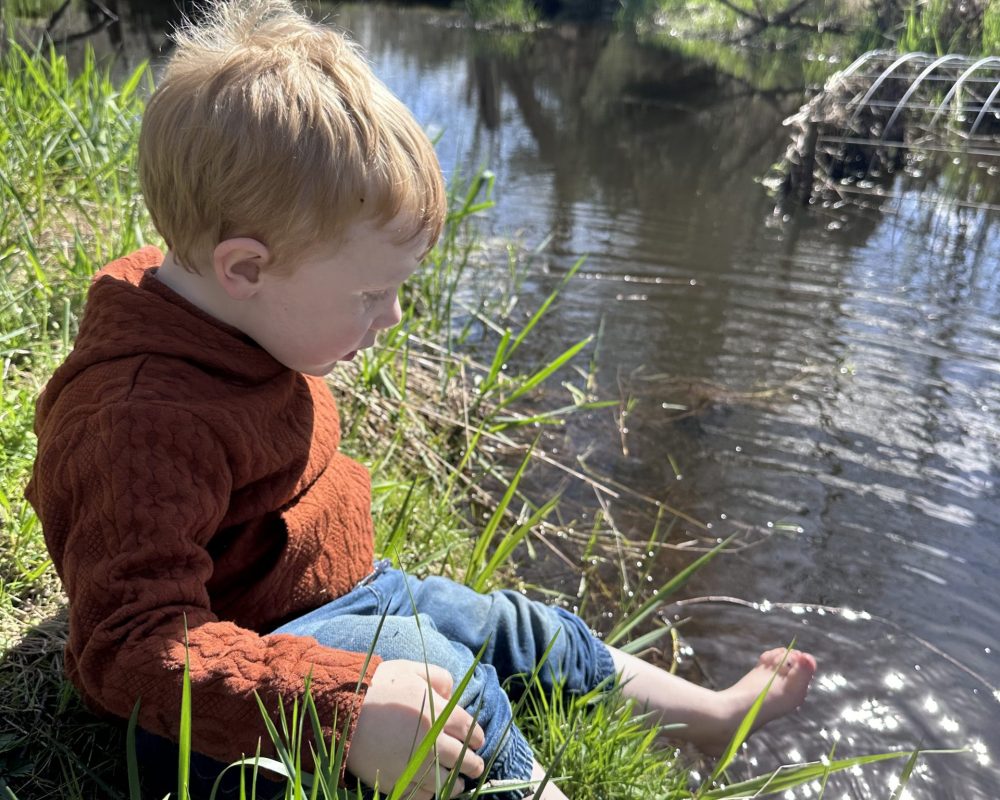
(198, 478)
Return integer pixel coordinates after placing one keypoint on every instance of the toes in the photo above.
(803, 661)
(772, 658)
(794, 661)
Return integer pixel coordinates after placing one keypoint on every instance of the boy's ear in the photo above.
(238, 265)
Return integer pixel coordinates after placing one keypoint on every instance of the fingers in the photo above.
(460, 724)
(402, 701)
(449, 753)
(430, 779)
(439, 678)
(460, 730)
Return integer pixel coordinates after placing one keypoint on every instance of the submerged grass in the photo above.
(436, 426)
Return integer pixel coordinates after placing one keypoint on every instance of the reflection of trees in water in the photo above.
(636, 125)
(128, 31)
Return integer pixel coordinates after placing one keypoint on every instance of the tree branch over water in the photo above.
(783, 19)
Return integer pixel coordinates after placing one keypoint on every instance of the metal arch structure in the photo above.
(920, 125)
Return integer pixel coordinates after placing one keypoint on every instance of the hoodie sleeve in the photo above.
(139, 492)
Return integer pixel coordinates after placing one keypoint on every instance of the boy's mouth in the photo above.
(350, 356)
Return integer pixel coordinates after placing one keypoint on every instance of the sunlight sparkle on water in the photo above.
(950, 725)
(930, 705)
(892, 782)
(894, 681)
(873, 715)
(982, 754)
(831, 682)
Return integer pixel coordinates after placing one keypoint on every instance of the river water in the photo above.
(840, 368)
(826, 385)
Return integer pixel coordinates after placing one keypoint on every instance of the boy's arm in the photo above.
(128, 502)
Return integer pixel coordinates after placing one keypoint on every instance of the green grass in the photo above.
(950, 26)
(440, 430)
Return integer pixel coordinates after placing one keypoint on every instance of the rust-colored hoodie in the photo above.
(183, 472)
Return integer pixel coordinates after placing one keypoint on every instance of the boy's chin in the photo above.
(320, 372)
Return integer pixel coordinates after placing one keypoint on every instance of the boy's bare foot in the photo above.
(785, 695)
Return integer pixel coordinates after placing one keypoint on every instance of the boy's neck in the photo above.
(198, 289)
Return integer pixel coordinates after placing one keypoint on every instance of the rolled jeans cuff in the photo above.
(514, 761)
(605, 665)
(595, 664)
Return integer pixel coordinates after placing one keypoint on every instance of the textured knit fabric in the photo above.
(184, 474)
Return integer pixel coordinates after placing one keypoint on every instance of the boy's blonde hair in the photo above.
(268, 125)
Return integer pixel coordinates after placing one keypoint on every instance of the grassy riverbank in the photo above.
(942, 26)
(438, 429)
(776, 46)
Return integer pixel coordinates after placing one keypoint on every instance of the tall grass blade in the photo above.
(279, 743)
(131, 761)
(640, 643)
(826, 773)
(398, 531)
(621, 630)
(130, 85)
(785, 778)
(453, 776)
(548, 302)
(499, 357)
(326, 773)
(184, 739)
(509, 543)
(527, 385)
(904, 778)
(256, 762)
(474, 573)
(746, 725)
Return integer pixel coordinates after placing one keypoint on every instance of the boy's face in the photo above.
(339, 296)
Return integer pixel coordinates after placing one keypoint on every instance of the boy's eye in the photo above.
(371, 298)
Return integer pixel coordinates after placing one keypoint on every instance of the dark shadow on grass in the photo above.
(51, 746)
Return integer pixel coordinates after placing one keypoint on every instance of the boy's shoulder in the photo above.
(132, 267)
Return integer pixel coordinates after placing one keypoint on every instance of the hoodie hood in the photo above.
(129, 313)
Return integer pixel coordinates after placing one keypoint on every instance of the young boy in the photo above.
(188, 478)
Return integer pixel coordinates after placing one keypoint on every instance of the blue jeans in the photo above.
(444, 623)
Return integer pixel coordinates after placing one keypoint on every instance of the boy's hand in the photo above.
(394, 718)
